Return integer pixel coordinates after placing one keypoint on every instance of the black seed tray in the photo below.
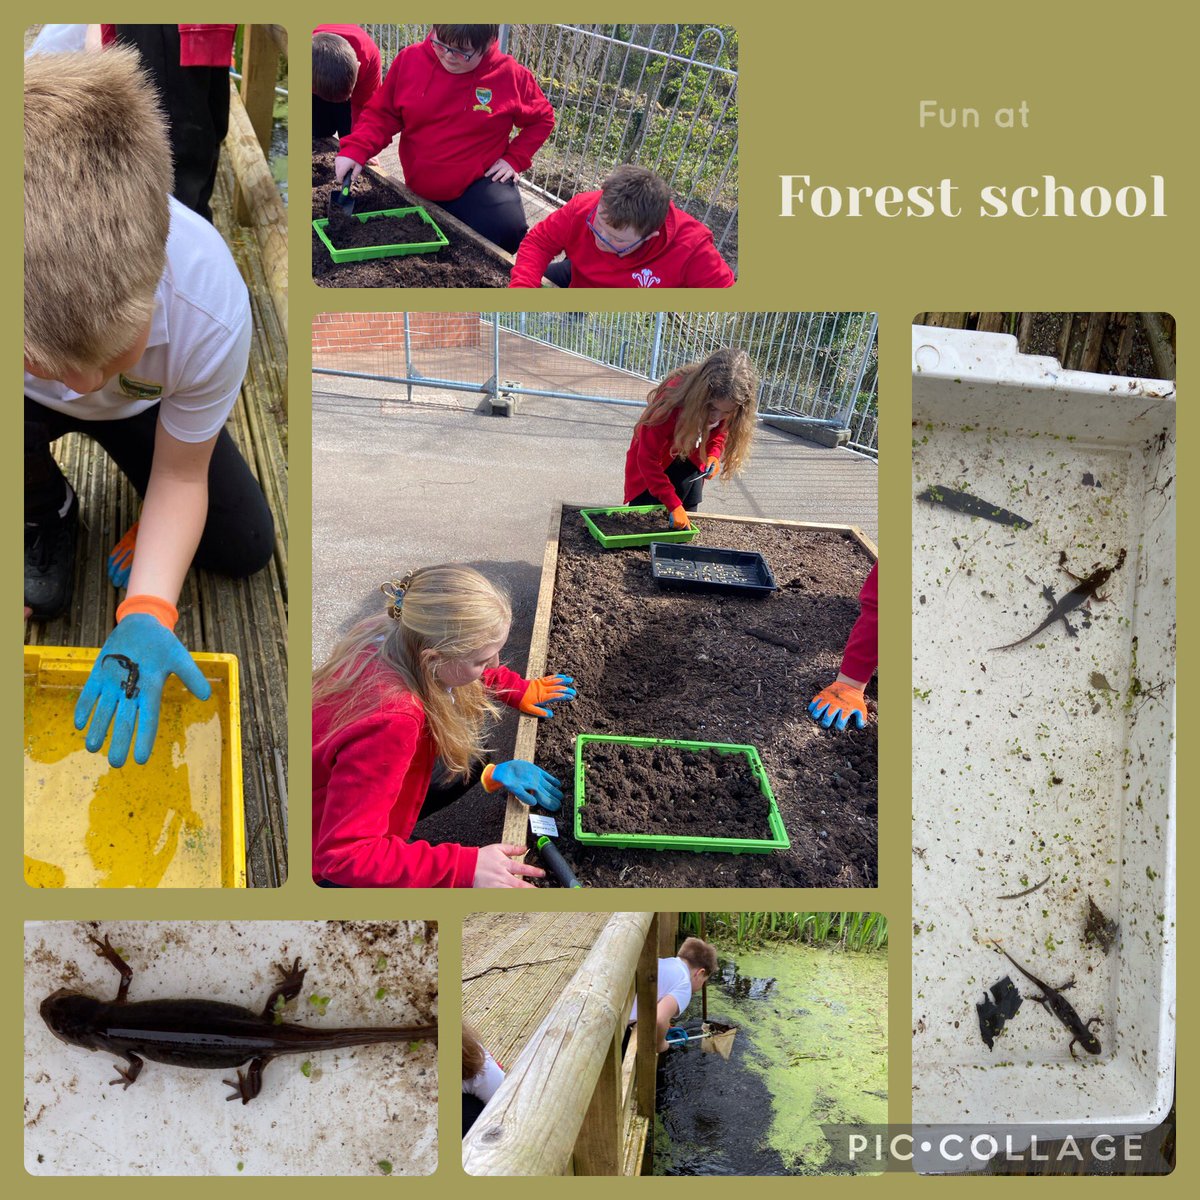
(710, 569)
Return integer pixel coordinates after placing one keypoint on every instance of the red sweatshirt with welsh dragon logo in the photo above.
(452, 127)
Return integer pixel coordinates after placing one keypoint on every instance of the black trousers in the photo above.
(472, 1106)
(196, 100)
(239, 533)
(559, 273)
(678, 471)
(441, 793)
(329, 118)
(493, 209)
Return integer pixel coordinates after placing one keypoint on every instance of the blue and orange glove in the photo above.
(839, 704)
(528, 782)
(712, 468)
(542, 694)
(125, 687)
(120, 560)
(679, 519)
(676, 1037)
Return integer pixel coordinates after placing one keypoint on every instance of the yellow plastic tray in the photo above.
(177, 821)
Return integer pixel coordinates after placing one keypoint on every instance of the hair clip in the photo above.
(394, 590)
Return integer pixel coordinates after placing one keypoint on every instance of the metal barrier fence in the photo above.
(660, 96)
(822, 366)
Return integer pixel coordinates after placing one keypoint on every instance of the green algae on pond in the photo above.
(811, 1050)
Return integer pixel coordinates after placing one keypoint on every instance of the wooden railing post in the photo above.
(646, 1063)
(598, 1147)
(668, 927)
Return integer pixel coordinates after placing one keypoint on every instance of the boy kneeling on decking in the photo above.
(137, 333)
(627, 234)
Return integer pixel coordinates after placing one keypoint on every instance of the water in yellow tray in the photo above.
(91, 825)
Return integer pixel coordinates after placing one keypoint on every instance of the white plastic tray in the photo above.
(355, 1109)
(1053, 758)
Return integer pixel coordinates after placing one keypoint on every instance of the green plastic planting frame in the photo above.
(778, 840)
(361, 253)
(621, 541)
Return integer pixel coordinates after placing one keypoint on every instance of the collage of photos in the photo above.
(594, 603)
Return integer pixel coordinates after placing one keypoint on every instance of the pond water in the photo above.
(811, 1049)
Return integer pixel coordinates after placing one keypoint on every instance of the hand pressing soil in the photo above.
(666, 791)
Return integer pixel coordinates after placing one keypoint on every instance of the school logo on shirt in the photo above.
(484, 96)
(645, 278)
(137, 390)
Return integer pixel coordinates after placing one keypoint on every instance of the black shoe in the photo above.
(50, 563)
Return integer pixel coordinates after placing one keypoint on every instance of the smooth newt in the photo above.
(1084, 590)
(1052, 1000)
(207, 1034)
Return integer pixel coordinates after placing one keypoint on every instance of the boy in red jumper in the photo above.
(455, 100)
(398, 717)
(844, 700)
(346, 72)
(628, 234)
(698, 421)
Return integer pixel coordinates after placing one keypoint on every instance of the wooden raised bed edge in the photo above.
(516, 814)
(447, 222)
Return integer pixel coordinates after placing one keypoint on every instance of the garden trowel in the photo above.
(341, 196)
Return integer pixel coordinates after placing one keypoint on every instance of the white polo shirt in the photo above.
(484, 1084)
(199, 344)
(674, 979)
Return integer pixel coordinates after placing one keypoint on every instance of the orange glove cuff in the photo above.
(489, 785)
(156, 606)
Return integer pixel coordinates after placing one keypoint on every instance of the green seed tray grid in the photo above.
(778, 840)
(362, 253)
(622, 541)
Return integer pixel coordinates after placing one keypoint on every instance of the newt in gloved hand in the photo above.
(844, 701)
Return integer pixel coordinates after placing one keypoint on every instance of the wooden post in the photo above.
(532, 1122)
(704, 985)
(598, 1147)
(260, 58)
(668, 928)
(646, 1029)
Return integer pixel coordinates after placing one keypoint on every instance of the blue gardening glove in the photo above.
(120, 560)
(529, 783)
(126, 684)
(676, 1036)
(838, 704)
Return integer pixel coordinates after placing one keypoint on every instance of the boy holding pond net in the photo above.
(455, 100)
(399, 711)
(697, 423)
(137, 334)
(678, 979)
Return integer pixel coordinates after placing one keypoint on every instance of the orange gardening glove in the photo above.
(543, 693)
(120, 560)
(712, 468)
(679, 519)
(839, 704)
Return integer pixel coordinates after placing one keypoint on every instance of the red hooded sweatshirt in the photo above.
(681, 253)
(862, 648)
(370, 64)
(650, 455)
(452, 127)
(369, 781)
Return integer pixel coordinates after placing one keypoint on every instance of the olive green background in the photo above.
(826, 89)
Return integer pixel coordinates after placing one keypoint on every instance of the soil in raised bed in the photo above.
(627, 524)
(668, 792)
(717, 667)
(461, 264)
(347, 232)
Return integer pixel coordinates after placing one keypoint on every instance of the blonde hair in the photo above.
(726, 373)
(334, 67)
(473, 1053)
(97, 177)
(442, 612)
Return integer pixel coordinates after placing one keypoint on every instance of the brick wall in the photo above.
(342, 333)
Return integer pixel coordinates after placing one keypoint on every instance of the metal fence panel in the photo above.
(661, 96)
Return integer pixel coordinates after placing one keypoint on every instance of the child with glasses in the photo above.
(455, 100)
(628, 234)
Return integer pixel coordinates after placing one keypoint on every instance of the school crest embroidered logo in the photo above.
(645, 278)
(137, 389)
(484, 96)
